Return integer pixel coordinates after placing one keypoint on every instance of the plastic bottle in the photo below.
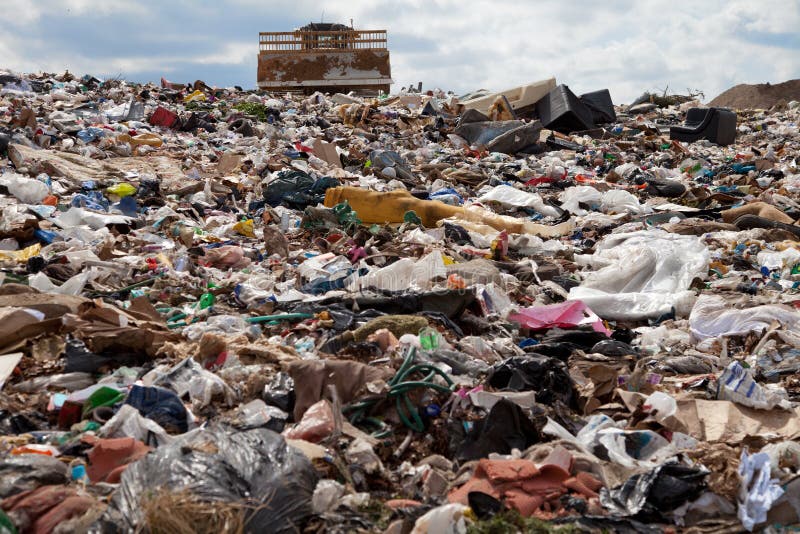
(181, 263)
(429, 338)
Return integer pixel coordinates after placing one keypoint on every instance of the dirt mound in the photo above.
(758, 96)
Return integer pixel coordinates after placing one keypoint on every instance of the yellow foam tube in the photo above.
(141, 139)
(381, 208)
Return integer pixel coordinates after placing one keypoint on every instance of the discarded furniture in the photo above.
(718, 125)
(518, 97)
(601, 106)
(563, 111)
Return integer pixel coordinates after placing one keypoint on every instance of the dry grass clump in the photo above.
(167, 512)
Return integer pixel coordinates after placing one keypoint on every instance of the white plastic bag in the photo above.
(738, 385)
(128, 423)
(757, 490)
(642, 274)
(619, 201)
(73, 286)
(511, 196)
(571, 197)
(778, 260)
(403, 274)
(27, 190)
(446, 519)
(712, 316)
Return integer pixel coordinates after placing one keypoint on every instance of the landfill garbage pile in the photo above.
(228, 311)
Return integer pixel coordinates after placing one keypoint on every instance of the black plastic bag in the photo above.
(255, 468)
(505, 428)
(81, 360)
(297, 190)
(582, 337)
(28, 472)
(286, 183)
(547, 376)
(612, 347)
(382, 159)
(279, 392)
(649, 495)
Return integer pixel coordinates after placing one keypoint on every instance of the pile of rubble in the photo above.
(519, 311)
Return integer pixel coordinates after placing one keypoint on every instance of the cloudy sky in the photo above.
(627, 46)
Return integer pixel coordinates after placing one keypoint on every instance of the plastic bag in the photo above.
(27, 190)
(285, 184)
(757, 490)
(548, 377)
(316, 424)
(712, 316)
(619, 201)
(634, 448)
(403, 274)
(255, 468)
(327, 496)
(79, 216)
(388, 159)
(127, 423)
(783, 457)
(649, 495)
(738, 385)
(29, 471)
(563, 315)
(73, 286)
(447, 519)
(257, 413)
(572, 197)
(122, 189)
(660, 405)
(511, 196)
(504, 429)
(642, 274)
(201, 385)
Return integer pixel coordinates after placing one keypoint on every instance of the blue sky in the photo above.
(626, 46)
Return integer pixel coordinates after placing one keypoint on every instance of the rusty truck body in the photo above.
(324, 57)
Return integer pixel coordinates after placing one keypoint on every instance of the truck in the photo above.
(324, 57)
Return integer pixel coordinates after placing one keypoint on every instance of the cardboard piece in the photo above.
(724, 421)
(327, 152)
(228, 162)
(17, 325)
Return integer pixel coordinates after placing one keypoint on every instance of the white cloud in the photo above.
(624, 45)
(232, 53)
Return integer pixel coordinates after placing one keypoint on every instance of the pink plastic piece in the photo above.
(563, 315)
(316, 425)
